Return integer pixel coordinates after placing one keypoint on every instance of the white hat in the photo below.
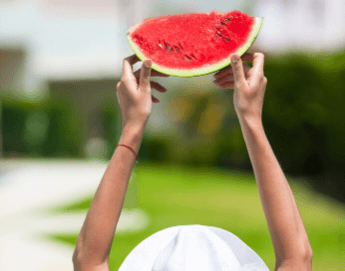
(193, 247)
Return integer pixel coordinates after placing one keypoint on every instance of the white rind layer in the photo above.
(199, 71)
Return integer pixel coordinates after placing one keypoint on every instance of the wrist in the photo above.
(251, 123)
(133, 128)
(132, 136)
(253, 133)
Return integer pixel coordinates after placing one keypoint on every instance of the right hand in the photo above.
(249, 85)
(134, 92)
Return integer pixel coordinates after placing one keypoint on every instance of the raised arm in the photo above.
(289, 237)
(96, 236)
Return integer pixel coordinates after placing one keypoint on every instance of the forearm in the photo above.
(285, 224)
(96, 236)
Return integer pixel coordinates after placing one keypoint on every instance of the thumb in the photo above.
(237, 69)
(145, 74)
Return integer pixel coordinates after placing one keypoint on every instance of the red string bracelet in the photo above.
(136, 158)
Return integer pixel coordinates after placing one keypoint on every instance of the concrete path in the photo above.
(27, 189)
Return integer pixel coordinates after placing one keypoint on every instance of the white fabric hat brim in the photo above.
(162, 248)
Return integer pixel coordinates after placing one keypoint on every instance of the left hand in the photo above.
(134, 92)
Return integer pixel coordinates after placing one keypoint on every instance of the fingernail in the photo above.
(234, 58)
(148, 63)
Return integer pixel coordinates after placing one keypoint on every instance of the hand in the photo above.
(249, 85)
(134, 92)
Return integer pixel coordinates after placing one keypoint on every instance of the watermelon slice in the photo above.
(193, 44)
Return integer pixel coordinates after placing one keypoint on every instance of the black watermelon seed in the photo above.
(226, 19)
(171, 49)
(166, 46)
(222, 23)
(176, 48)
(188, 58)
(227, 39)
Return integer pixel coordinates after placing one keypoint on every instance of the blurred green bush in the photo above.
(303, 117)
(45, 127)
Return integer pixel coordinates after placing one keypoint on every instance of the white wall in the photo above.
(67, 39)
(75, 38)
(304, 25)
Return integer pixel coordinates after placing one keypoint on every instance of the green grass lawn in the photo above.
(174, 195)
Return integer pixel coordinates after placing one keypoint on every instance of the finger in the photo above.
(258, 65)
(237, 68)
(223, 72)
(247, 57)
(158, 86)
(156, 73)
(145, 75)
(220, 83)
(226, 85)
(128, 65)
(246, 69)
(229, 77)
(227, 70)
(154, 99)
(137, 74)
(153, 73)
(133, 59)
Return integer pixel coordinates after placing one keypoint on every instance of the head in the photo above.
(192, 247)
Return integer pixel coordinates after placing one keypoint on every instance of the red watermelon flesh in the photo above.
(193, 44)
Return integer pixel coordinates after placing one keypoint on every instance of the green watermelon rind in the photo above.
(200, 71)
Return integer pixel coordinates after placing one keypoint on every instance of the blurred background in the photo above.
(60, 121)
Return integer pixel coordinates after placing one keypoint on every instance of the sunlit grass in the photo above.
(174, 195)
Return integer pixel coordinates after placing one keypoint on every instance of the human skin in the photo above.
(289, 238)
(97, 233)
